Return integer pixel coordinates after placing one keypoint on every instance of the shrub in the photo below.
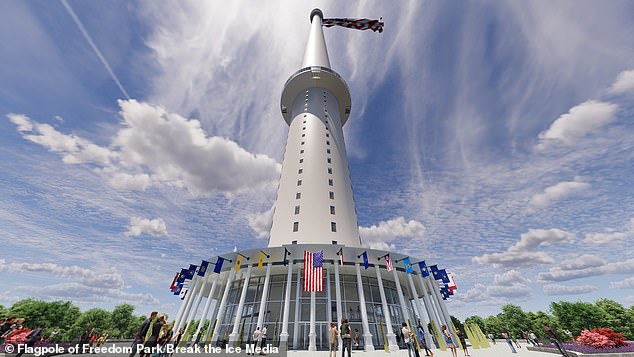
(601, 338)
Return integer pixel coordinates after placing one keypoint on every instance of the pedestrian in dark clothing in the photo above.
(346, 338)
(152, 341)
(140, 335)
(32, 338)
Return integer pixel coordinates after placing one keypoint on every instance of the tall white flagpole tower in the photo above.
(314, 200)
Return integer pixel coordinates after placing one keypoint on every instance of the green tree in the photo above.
(121, 321)
(515, 320)
(493, 325)
(477, 320)
(457, 323)
(539, 319)
(577, 316)
(615, 317)
(96, 318)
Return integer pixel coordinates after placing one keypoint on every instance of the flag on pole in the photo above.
(178, 289)
(173, 286)
(423, 268)
(238, 262)
(286, 252)
(388, 263)
(434, 272)
(184, 293)
(218, 265)
(313, 271)
(443, 276)
(340, 254)
(191, 272)
(452, 282)
(203, 268)
(365, 260)
(261, 260)
(408, 265)
(357, 24)
(182, 276)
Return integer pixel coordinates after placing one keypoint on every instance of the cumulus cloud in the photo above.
(481, 292)
(623, 284)
(523, 253)
(138, 226)
(624, 82)
(557, 192)
(610, 236)
(581, 120)
(261, 223)
(154, 147)
(510, 277)
(85, 276)
(581, 262)
(380, 235)
(77, 291)
(556, 289)
(558, 274)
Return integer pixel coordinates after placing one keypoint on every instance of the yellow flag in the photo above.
(261, 261)
(238, 262)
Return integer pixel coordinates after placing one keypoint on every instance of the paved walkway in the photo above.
(497, 350)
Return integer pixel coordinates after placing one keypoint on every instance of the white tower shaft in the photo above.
(314, 201)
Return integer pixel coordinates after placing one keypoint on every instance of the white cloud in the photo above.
(93, 278)
(157, 147)
(77, 291)
(510, 277)
(623, 284)
(261, 223)
(624, 82)
(581, 120)
(556, 289)
(138, 226)
(523, 253)
(379, 236)
(557, 192)
(610, 236)
(581, 262)
(481, 292)
(559, 274)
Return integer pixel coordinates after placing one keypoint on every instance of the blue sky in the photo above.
(493, 138)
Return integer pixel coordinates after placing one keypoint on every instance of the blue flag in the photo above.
(182, 276)
(423, 268)
(218, 266)
(434, 271)
(191, 271)
(443, 276)
(203, 268)
(408, 265)
(365, 260)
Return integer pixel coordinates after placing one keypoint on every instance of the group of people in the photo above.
(259, 338)
(155, 332)
(92, 338)
(12, 327)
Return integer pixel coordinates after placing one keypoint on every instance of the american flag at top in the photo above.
(358, 24)
(313, 271)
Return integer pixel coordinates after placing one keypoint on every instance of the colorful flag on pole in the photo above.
(178, 289)
(286, 252)
(173, 286)
(423, 268)
(261, 260)
(366, 264)
(443, 276)
(434, 272)
(452, 282)
(313, 271)
(388, 263)
(203, 268)
(236, 266)
(191, 271)
(218, 265)
(182, 276)
(340, 254)
(408, 265)
(357, 24)
(184, 293)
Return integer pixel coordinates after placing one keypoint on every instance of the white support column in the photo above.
(233, 336)
(401, 298)
(192, 315)
(223, 306)
(265, 296)
(367, 336)
(312, 335)
(429, 306)
(435, 304)
(192, 297)
(391, 337)
(443, 308)
(297, 309)
(338, 297)
(206, 309)
(419, 306)
(185, 304)
(180, 312)
(287, 307)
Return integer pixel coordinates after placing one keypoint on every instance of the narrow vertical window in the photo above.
(298, 195)
(333, 226)
(299, 182)
(296, 209)
(301, 151)
(330, 170)
(327, 142)
(327, 151)
(332, 209)
(330, 182)
(329, 161)
(295, 226)
(331, 195)
(300, 171)
(301, 160)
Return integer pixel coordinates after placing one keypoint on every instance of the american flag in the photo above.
(359, 24)
(388, 263)
(314, 271)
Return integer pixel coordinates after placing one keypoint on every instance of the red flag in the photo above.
(313, 271)
(173, 286)
(358, 24)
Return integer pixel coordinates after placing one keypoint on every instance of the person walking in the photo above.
(357, 338)
(507, 337)
(449, 340)
(532, 338)
(139, 338)
(333, 335)
(255, 337)
(346, 338)
(423, 341)
(152, 341)
(492, 337)
(463, 341)
(407, 340)
(263, 339)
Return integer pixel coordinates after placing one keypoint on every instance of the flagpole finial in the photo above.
(316, 12)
